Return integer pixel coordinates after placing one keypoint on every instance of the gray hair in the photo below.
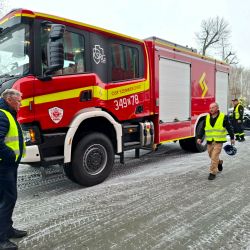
(10, 93)
(215, 103)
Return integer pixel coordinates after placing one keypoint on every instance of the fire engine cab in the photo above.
(90, 94)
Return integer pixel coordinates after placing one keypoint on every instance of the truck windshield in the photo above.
(14, 51)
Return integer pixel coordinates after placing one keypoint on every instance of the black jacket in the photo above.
(226, 124)
(7, 154)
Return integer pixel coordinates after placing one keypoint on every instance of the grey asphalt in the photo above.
(161, 201)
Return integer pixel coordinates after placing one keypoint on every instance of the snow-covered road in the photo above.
(161, 201)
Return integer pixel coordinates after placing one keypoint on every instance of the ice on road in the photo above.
(161, 201)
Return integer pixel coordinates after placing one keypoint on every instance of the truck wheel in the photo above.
(93, 159)
(191, 144)
(199, 147)
(69, 172)
(185, 144)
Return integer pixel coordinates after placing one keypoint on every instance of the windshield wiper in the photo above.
(6, 75)
(4, 30)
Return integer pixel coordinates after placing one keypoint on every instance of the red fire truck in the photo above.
(90, 94)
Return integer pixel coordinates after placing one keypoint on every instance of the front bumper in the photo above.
(32, 155)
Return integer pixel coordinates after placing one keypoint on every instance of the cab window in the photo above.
(125, 62)
(74, 53)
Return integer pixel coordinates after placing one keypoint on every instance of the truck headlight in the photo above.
(31, 135)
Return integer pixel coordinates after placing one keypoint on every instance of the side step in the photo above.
(137, 155)
(52, 160)
(131, 145)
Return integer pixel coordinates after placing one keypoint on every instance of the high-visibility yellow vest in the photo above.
(217, 132)
(236, 112)
(12, 137)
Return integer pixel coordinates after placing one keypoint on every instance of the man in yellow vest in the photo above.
(238, 120)
(215, 128)
(12, 148)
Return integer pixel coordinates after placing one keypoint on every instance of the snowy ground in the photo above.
(161, 201)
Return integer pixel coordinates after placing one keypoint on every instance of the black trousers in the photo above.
(8, 197)
(238, 129)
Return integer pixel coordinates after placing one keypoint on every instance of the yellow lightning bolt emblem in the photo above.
(203, 85)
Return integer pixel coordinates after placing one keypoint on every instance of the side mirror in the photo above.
(55, 54)
(56, 31)
(55, 49)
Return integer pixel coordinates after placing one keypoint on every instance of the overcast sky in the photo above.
(173, 20)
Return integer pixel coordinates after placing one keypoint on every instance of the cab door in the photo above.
(127, 80)
(57, 97)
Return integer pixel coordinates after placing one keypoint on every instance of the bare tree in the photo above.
(214, 32)
(239, 83)
(245, 85)
(227, 53)
(235, 82)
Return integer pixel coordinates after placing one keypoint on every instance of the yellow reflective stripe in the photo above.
(4, 20)
(218, 139)
(25, 14)
(215, 136)
(98, 92)
(215, 130)
(11, 139)
(63, 95)
(126, 90)
(212, 134)
(26, 102)
(17, 15)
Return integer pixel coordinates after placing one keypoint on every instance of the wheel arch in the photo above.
(89, 120)
(199, 119)
(190, 144)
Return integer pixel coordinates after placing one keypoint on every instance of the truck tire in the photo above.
(93, 159)
(191, 144)
(69, 172)
(185, 144)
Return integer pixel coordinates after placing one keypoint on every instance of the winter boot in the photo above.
(220, 167)
(242, 138)
(211, 176)
(15, 233)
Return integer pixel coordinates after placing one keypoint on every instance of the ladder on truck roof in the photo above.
(160, 40)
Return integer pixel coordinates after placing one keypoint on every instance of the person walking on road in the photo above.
(215, 128)
(12, 148)
(238, 113)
